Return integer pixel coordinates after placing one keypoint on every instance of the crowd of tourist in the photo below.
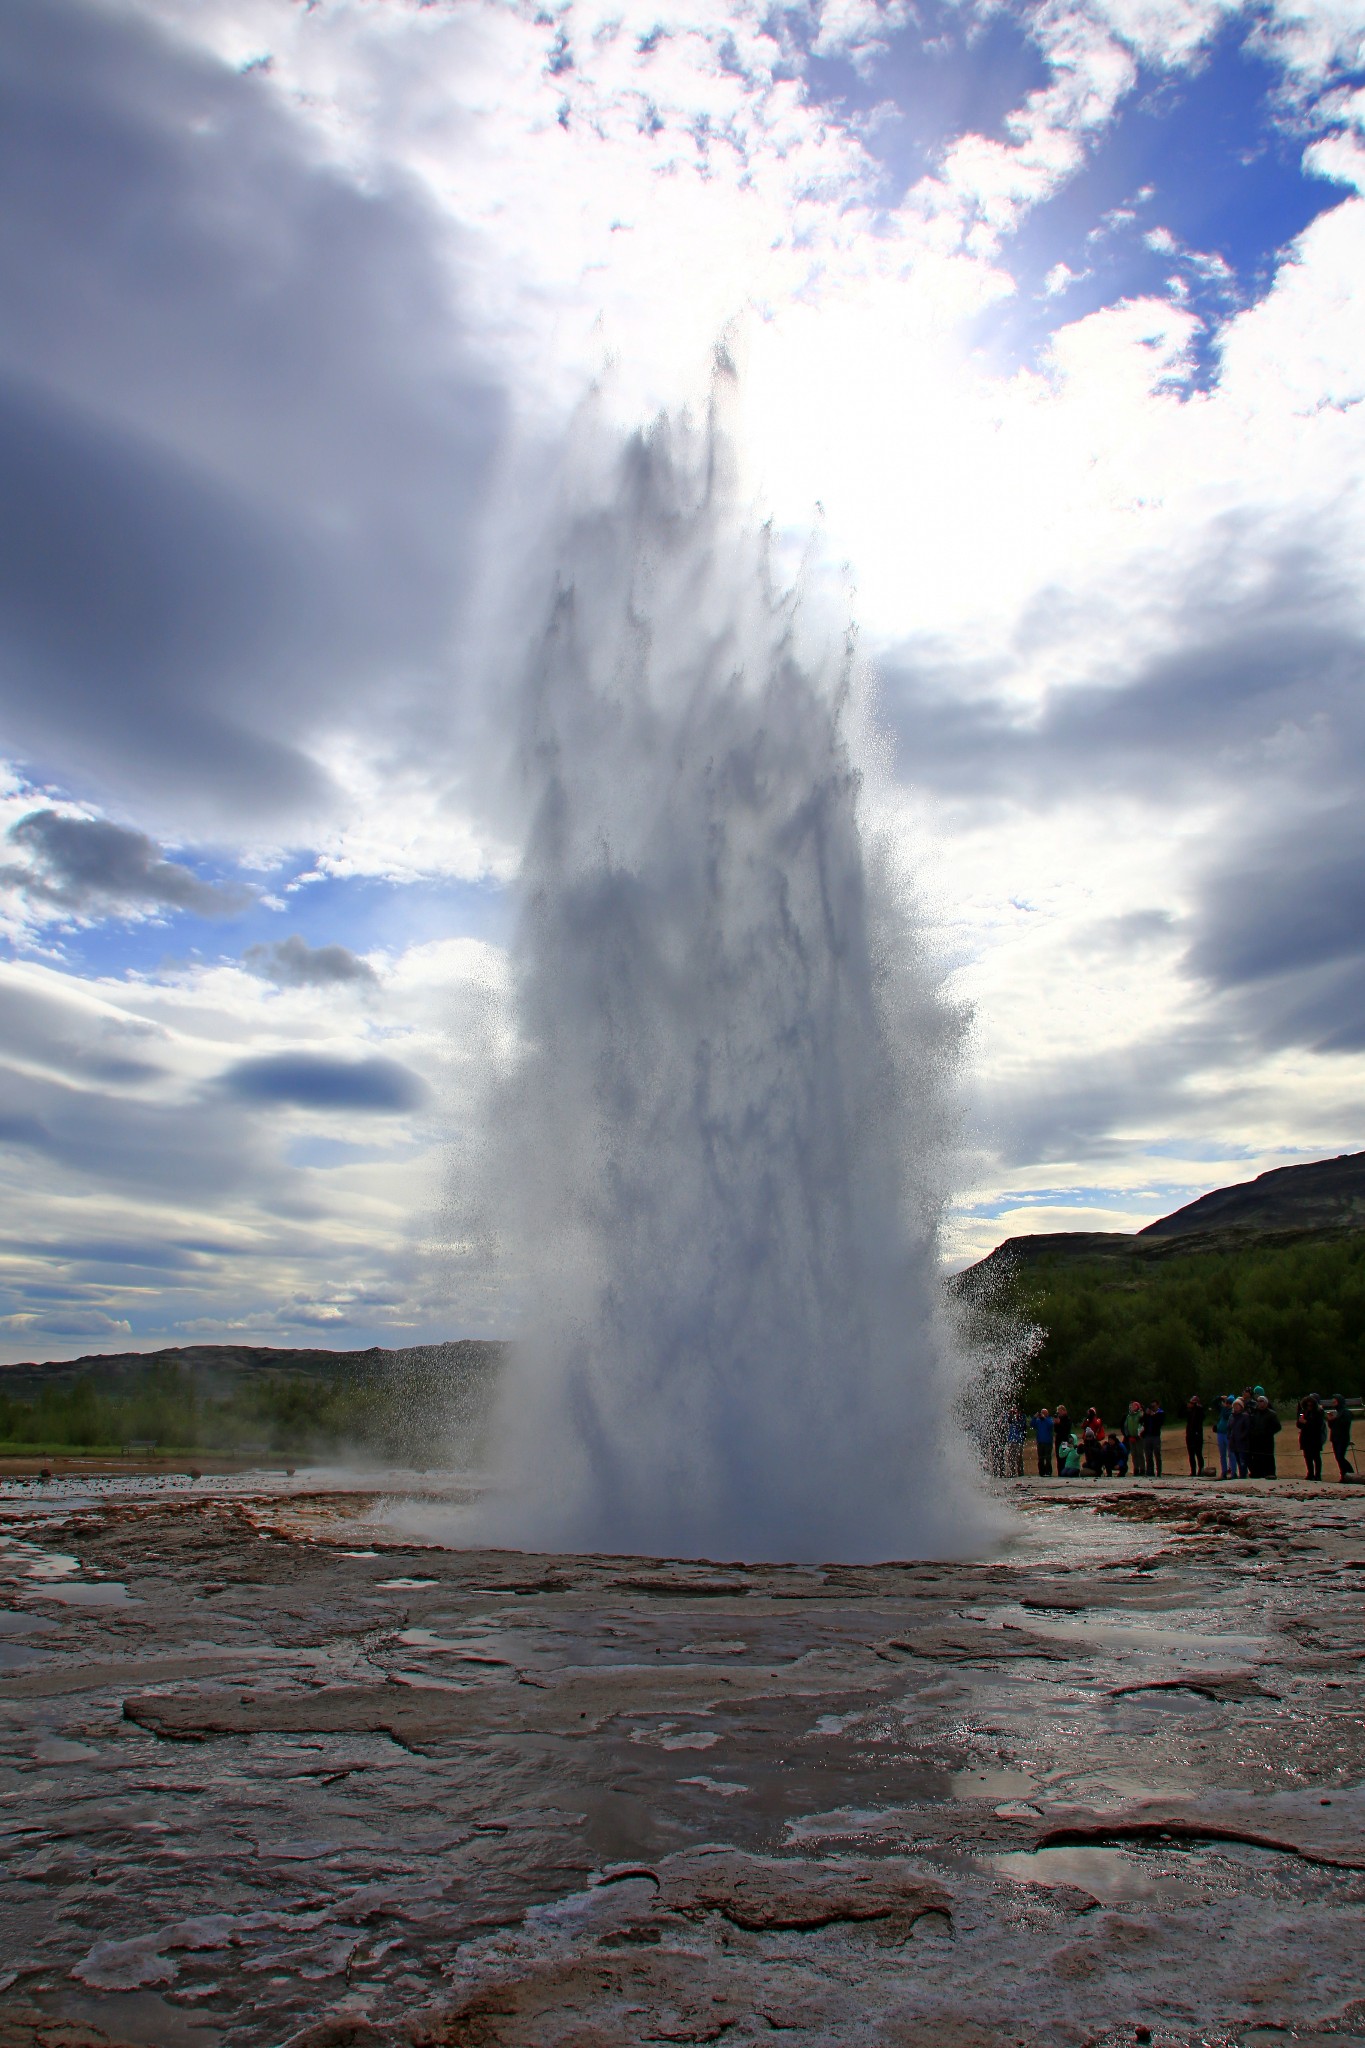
(1244, 1426)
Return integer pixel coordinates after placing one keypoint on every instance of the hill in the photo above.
(220, 1364)
(1284, 1206)
(410, 1404)
(1327, 1194)
(1261, 1283)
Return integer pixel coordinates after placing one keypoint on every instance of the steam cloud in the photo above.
(724, 1139)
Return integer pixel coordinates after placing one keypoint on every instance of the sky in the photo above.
(1052, 360)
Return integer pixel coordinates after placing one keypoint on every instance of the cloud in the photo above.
(65, 1322)
(293, 963)
(1246, 654)
(315, 1081)
(1294, 899)
(55, 1032)
(134, 1183)
(1279, 929)
(242, 440)
(267, 335)
(85, 864)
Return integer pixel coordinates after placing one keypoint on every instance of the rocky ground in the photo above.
(269, 1775)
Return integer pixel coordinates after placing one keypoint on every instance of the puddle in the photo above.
(58, 1749)
(670, 1736)
(1108, 1874)
(997, 1784)
(838, 1724)
(21, 1657)
(47, 1564)
(96, 1593)
(140, 2018)
(843, 1822)
(1107, 1628)
(393, 1585)
(12, 1624)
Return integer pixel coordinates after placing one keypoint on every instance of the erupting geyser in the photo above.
(722, 1145)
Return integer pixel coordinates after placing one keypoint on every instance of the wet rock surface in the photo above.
(270, 1775)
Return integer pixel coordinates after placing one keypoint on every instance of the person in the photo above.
(1115, 1455)
(1153, 1416)
(1194, 1435)
(1265, 1427)
(1239, 1437)
(1092, 1450)
(1132, 1435)
(1015, 1430)
(1220, 1429)
(1312, 1429)
(1339, 1429)
(1043, 1432)
(1092, 1421)
(1061, 1425)
(1069, 1459)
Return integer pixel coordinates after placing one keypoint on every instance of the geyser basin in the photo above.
(276, 1797)
(724, 1145)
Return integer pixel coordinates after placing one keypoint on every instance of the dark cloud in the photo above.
(1279, 930)
(293, 963)
(100, 1252)
(100, 1144)
(75, 1323)
(88, 863)
(1092, 1106)
(1293, 899)
(1262, 637)
(1255, 709)
(242, 450)
(313, 1081)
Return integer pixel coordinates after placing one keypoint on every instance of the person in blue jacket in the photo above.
(1043, 1433)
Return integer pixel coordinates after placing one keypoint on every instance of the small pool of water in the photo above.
(991, 1784)
(89, 1593)
(1111, 1875)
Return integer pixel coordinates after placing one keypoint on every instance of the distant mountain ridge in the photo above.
(1326, 1194)
(221, 1364)
(1322, 1196)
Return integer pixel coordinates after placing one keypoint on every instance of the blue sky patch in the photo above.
(1204, 157)
(932, 82)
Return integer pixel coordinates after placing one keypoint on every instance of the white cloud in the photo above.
(507, 199)
(164, 1208)
(857, 28)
